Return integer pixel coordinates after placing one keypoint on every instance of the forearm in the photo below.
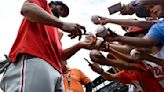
(120, 55)
(121, 48)
(109, 76)
(132, 66)
(123, 64)
(68, 52)
(155, 60)
(128, 22)
(34, 13)
(136, 41)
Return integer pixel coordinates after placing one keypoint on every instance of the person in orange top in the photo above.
(74, 79)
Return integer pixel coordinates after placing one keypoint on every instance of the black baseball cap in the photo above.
(62, 4)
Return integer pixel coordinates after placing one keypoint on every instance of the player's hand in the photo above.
(73, 29)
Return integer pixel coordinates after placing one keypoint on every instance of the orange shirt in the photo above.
(77, 79)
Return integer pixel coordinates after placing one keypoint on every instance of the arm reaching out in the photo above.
(88, 43)
(134, 41)
(95, 67)
(123, 22)
(148, 57)
(97, 57)
(36, 13)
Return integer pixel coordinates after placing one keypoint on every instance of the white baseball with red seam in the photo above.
(101, 31)
(94, 18)
(98, 42)
(95, 53)
(133, 53)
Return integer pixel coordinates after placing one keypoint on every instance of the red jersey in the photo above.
(39, 40)
(144, 78)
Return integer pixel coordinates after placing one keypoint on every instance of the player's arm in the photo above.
(36, 13)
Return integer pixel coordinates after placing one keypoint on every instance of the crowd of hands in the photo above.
(97, 45)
